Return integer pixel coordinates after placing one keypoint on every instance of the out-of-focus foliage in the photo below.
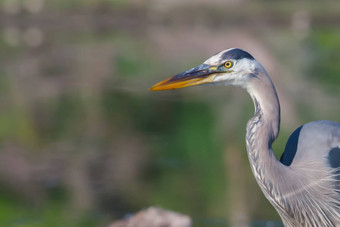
(325, 65)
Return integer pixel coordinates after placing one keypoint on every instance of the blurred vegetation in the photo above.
(325, 67)
(82, 140)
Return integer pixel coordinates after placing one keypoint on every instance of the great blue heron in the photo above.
(304, 186)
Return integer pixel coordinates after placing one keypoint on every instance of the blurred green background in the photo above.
(82, 140)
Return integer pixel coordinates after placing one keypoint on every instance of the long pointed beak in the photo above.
(199, 75)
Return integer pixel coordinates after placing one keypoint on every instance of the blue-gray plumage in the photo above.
(291, 148)
(334, 157)
(334, 160)
(304, 186)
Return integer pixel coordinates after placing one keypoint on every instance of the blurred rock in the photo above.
(155, 217)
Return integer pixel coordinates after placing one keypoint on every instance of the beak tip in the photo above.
(199, 75)
(154, 88)
(159, 86)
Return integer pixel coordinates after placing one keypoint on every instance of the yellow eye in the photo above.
(228, 64)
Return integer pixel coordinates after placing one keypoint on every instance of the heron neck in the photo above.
(262, 130)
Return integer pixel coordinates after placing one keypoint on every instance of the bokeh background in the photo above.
(82, 140)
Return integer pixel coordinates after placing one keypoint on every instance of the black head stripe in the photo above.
(236, 54)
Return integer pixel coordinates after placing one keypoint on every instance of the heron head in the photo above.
(229, 67)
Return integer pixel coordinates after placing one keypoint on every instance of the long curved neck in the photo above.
(300, 193)
(262, 130)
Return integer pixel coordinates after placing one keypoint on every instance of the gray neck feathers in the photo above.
(294, 202)
(262, 130)
(264, 164)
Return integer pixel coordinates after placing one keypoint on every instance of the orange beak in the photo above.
(199, 75)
